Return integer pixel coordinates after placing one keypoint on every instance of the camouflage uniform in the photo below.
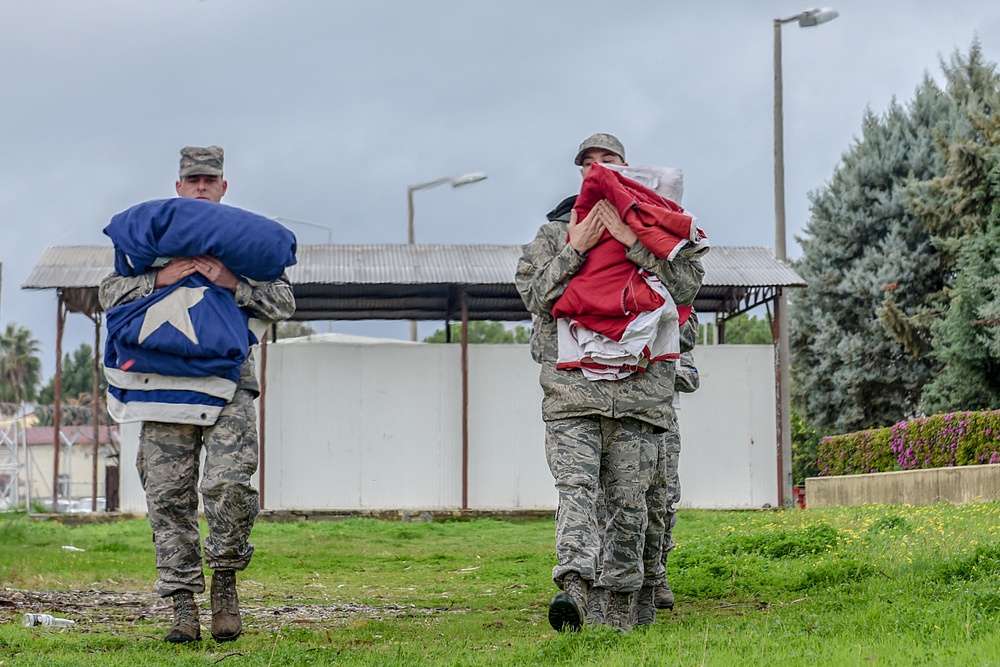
(665, 492)
(603, 429)
(169, 456)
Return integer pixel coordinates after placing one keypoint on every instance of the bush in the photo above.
(953, 439)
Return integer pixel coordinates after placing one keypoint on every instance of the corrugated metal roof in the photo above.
(426, 281)
(748, 267)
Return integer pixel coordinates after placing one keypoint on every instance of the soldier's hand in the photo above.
(174, 271)
(613, 223)
(216, 272)
(584, 234)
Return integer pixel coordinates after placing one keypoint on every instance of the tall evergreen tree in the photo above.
(967, 339)
(966, 221)
(861, 243)
(881, 254)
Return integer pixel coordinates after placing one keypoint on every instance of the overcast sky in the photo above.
(328, 110)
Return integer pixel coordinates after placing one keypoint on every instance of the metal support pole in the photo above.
(57, 402)
(262, 437)
(95, 403)
(465, 399)
(782, 401)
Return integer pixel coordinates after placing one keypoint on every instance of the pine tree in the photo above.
(899, 235)
(862, 243)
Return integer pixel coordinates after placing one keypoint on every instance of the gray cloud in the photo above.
(329, 109)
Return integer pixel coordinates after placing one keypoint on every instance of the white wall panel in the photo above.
(728, 432)
(507, 468)
(365, 426)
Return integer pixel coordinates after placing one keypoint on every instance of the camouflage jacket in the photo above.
(272, 302)
(687, 379)
(543, 272)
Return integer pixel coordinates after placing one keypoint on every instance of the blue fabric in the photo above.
(249, 244)
(219, 324)
(153, 335)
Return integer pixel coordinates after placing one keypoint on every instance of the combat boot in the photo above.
(663, 597)
(644, 612)
(226, 622)
(187, 626)
(597, 597)
(619, 613)
(567, 608)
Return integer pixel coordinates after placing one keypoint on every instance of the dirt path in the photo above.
(104, 610)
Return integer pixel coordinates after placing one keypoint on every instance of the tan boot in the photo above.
(187, 626)
(619, 613)
(226, 622)
(566, 611)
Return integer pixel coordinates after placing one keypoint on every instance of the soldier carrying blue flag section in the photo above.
(178, 291)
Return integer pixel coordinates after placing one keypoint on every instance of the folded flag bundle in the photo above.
(614, 318)
(175, 355)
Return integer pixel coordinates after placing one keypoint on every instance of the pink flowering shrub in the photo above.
(938, 441)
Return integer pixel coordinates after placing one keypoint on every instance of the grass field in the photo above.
(876, 585)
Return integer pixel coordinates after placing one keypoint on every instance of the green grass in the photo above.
(874, 585)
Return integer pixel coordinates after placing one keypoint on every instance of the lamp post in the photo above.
(329, 229)
(329, 241)
(456, 181)
(806, 19)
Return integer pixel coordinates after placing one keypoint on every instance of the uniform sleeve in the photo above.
(271, 301)
(544, 270)
(682, 275)
(116, 290)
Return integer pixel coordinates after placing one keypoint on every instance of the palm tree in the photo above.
(20, 367)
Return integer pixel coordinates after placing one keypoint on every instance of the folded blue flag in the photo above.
(175, 355)
(249, 244)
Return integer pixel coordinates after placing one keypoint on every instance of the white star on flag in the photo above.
(173, 309)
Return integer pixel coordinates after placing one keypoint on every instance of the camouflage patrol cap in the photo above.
(196, 160)
(608, 142)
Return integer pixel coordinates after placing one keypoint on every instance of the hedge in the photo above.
(954, 439)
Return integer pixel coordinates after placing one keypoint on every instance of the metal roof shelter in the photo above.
(412, 282)
(423, 282)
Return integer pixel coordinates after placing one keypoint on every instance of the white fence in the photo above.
(355, 424)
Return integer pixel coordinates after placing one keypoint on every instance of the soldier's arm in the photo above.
(116, 290)
(271, 301)
(682, 275)
(544, 270)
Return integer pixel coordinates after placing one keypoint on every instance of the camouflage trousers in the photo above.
(168, 464)
(586, 455)
(662, 498)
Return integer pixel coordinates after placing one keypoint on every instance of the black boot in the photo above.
(566, 609)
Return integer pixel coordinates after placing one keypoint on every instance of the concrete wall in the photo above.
(958, 485)
(359, 425)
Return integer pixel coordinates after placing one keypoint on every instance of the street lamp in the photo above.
(329, 229)
(456, 181)
(329, 241)
(806, 19)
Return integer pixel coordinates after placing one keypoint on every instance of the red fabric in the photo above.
(658, 222)
(608, 292)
